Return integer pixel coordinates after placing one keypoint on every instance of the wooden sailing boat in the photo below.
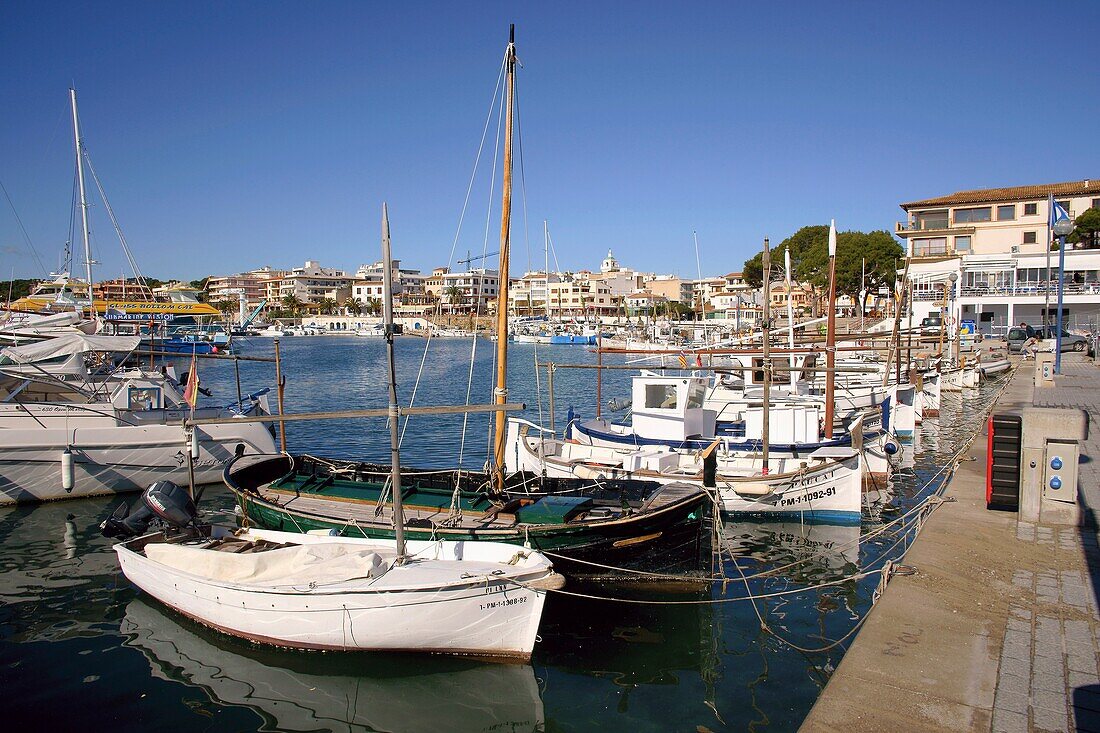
(609, 522)
(329, 592)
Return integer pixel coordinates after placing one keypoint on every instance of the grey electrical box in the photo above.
(1060, 471)
(1044, 369)
(1049, 433)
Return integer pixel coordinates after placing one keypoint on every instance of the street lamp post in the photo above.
(1062, 227)
(954, 278)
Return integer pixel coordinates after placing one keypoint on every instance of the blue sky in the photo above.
(233, 135)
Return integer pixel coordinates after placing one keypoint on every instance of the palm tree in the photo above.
(455, 296)
(374, 306)
(327, 306)
(292, 304)
(352, 307)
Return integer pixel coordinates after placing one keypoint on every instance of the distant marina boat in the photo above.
(70, 432)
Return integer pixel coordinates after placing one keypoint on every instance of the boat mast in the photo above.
(766, 331)
(394, 411)
(500, 393)
(790, 311)
(79, 145)
(830, 337)
(546, 265)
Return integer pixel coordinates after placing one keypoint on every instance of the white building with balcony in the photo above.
(311, 284)
(997, 244)
(470, 291)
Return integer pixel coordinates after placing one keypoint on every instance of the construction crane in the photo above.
(470, 259)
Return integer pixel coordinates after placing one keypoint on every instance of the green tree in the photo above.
(352, 307)
(799, 243)
(1087, 231)
(291, 304)
(225, 306)
(16, 289)
(373, 306)
(328, 306)
(809, 248)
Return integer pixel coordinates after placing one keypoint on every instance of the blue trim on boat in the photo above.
(830, 516)
(747, 445)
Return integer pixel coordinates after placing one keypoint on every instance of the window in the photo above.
(981, 213)
(1064, 205)
(660, 396)
(1096, 203)
(930, 247)
(1006, 212)
(962, 244)
(1029, 237)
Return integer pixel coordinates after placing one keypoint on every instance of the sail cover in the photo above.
(67, 345)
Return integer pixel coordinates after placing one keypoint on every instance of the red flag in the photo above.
(191, 393)
(699, 360)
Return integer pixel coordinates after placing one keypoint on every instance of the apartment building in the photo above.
(254, 285)
(433, 283)
(572, 298)
(311, 284)
(123, 288)
(643, 303)
(368, 283)
(470, 291)
(985, 255)
(527, 296)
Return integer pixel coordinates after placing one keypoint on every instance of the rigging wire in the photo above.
(114, 222)
(23, 229)
(461, 219)
(527, 241)
(481, 282)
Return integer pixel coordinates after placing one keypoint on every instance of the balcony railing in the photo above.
(936, 250)
(1023, 289)
(922, 225)
(1030, 288)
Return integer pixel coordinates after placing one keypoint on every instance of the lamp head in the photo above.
(1062, 227)
(953, 277)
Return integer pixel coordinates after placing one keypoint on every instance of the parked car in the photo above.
(931, 324)
(1070, 341)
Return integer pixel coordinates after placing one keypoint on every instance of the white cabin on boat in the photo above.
(671, 408)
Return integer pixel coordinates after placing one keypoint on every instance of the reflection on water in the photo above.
(80, 649)
(336, 692)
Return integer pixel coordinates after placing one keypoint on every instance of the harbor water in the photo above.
(80, 648)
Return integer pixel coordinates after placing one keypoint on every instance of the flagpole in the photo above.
(1061, 225)
(1050, 242)
(830, 338)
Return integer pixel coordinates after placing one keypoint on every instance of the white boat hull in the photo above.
(115, 460)
(829, 491)
(452, 597)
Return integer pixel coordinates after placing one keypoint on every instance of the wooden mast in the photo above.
(766, 331)
(500, 393)
(830, 337)
(393, 413)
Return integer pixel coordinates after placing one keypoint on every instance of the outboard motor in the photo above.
(163, 500)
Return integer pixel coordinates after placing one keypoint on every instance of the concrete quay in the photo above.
(998, 629)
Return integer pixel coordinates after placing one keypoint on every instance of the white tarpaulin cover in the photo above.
(300, 564)
(68, 345)
(33, 321)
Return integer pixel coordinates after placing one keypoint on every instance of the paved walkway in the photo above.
(998, 628)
